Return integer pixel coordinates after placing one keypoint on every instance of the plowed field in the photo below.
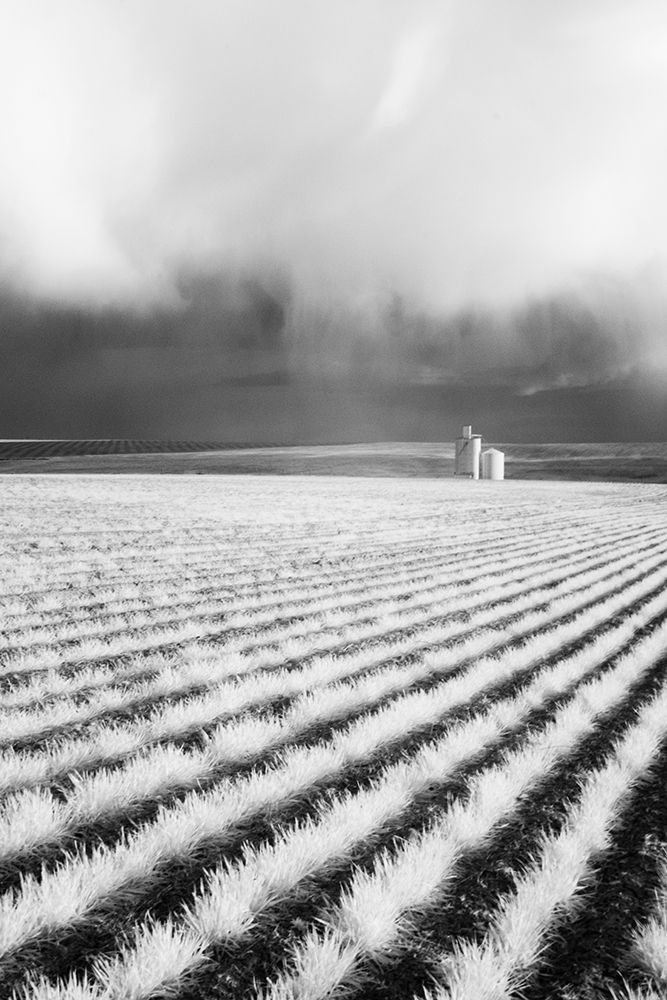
(286, 737)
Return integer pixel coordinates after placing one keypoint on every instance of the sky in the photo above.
(306, 220)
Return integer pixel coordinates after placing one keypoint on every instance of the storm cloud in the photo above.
(199, 198)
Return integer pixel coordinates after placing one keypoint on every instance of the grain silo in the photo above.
(493, 464)
(468, 450)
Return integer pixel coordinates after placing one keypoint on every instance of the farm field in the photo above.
(608, 461)
(298, 738)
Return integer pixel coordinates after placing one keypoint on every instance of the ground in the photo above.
(282, 737)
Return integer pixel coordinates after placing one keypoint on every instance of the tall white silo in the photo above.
(467, 452)
(493, 464)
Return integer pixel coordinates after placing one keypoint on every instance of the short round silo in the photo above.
(468, 450)
(493, 464)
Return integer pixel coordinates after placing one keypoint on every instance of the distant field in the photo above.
(304, 738)
(612, 462)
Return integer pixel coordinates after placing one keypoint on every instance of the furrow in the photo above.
(32, 820)
(234, 896)
(56, 684)
(239, 581)
(104, 650)
(373, 916)
(334, 544)
(21, 725)
(82, 884)
(504, 961)
(387, 565)
(297, 602)
(341, 585)
(183, 556)
(112, 745)
(25, 730)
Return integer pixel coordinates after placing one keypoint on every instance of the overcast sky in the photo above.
(205, 195)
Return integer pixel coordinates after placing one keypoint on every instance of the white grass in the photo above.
(284, 628)
(234, 896)
(275, 645)
(126, 600)
(163, 769)
(650, 940)
(107, 793)
(476, 569)
(371, 916)
(67, 894)
(202, 621)
(369, 920)
(503, 963)
(31, 724)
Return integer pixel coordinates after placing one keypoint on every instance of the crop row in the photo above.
(234, 552)
(370, 917)
(204, 665)
(239, 694)
(31, 819)
(369, 602)
(393, 558)
(425, 589)
(396, 571)
(386, 740)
